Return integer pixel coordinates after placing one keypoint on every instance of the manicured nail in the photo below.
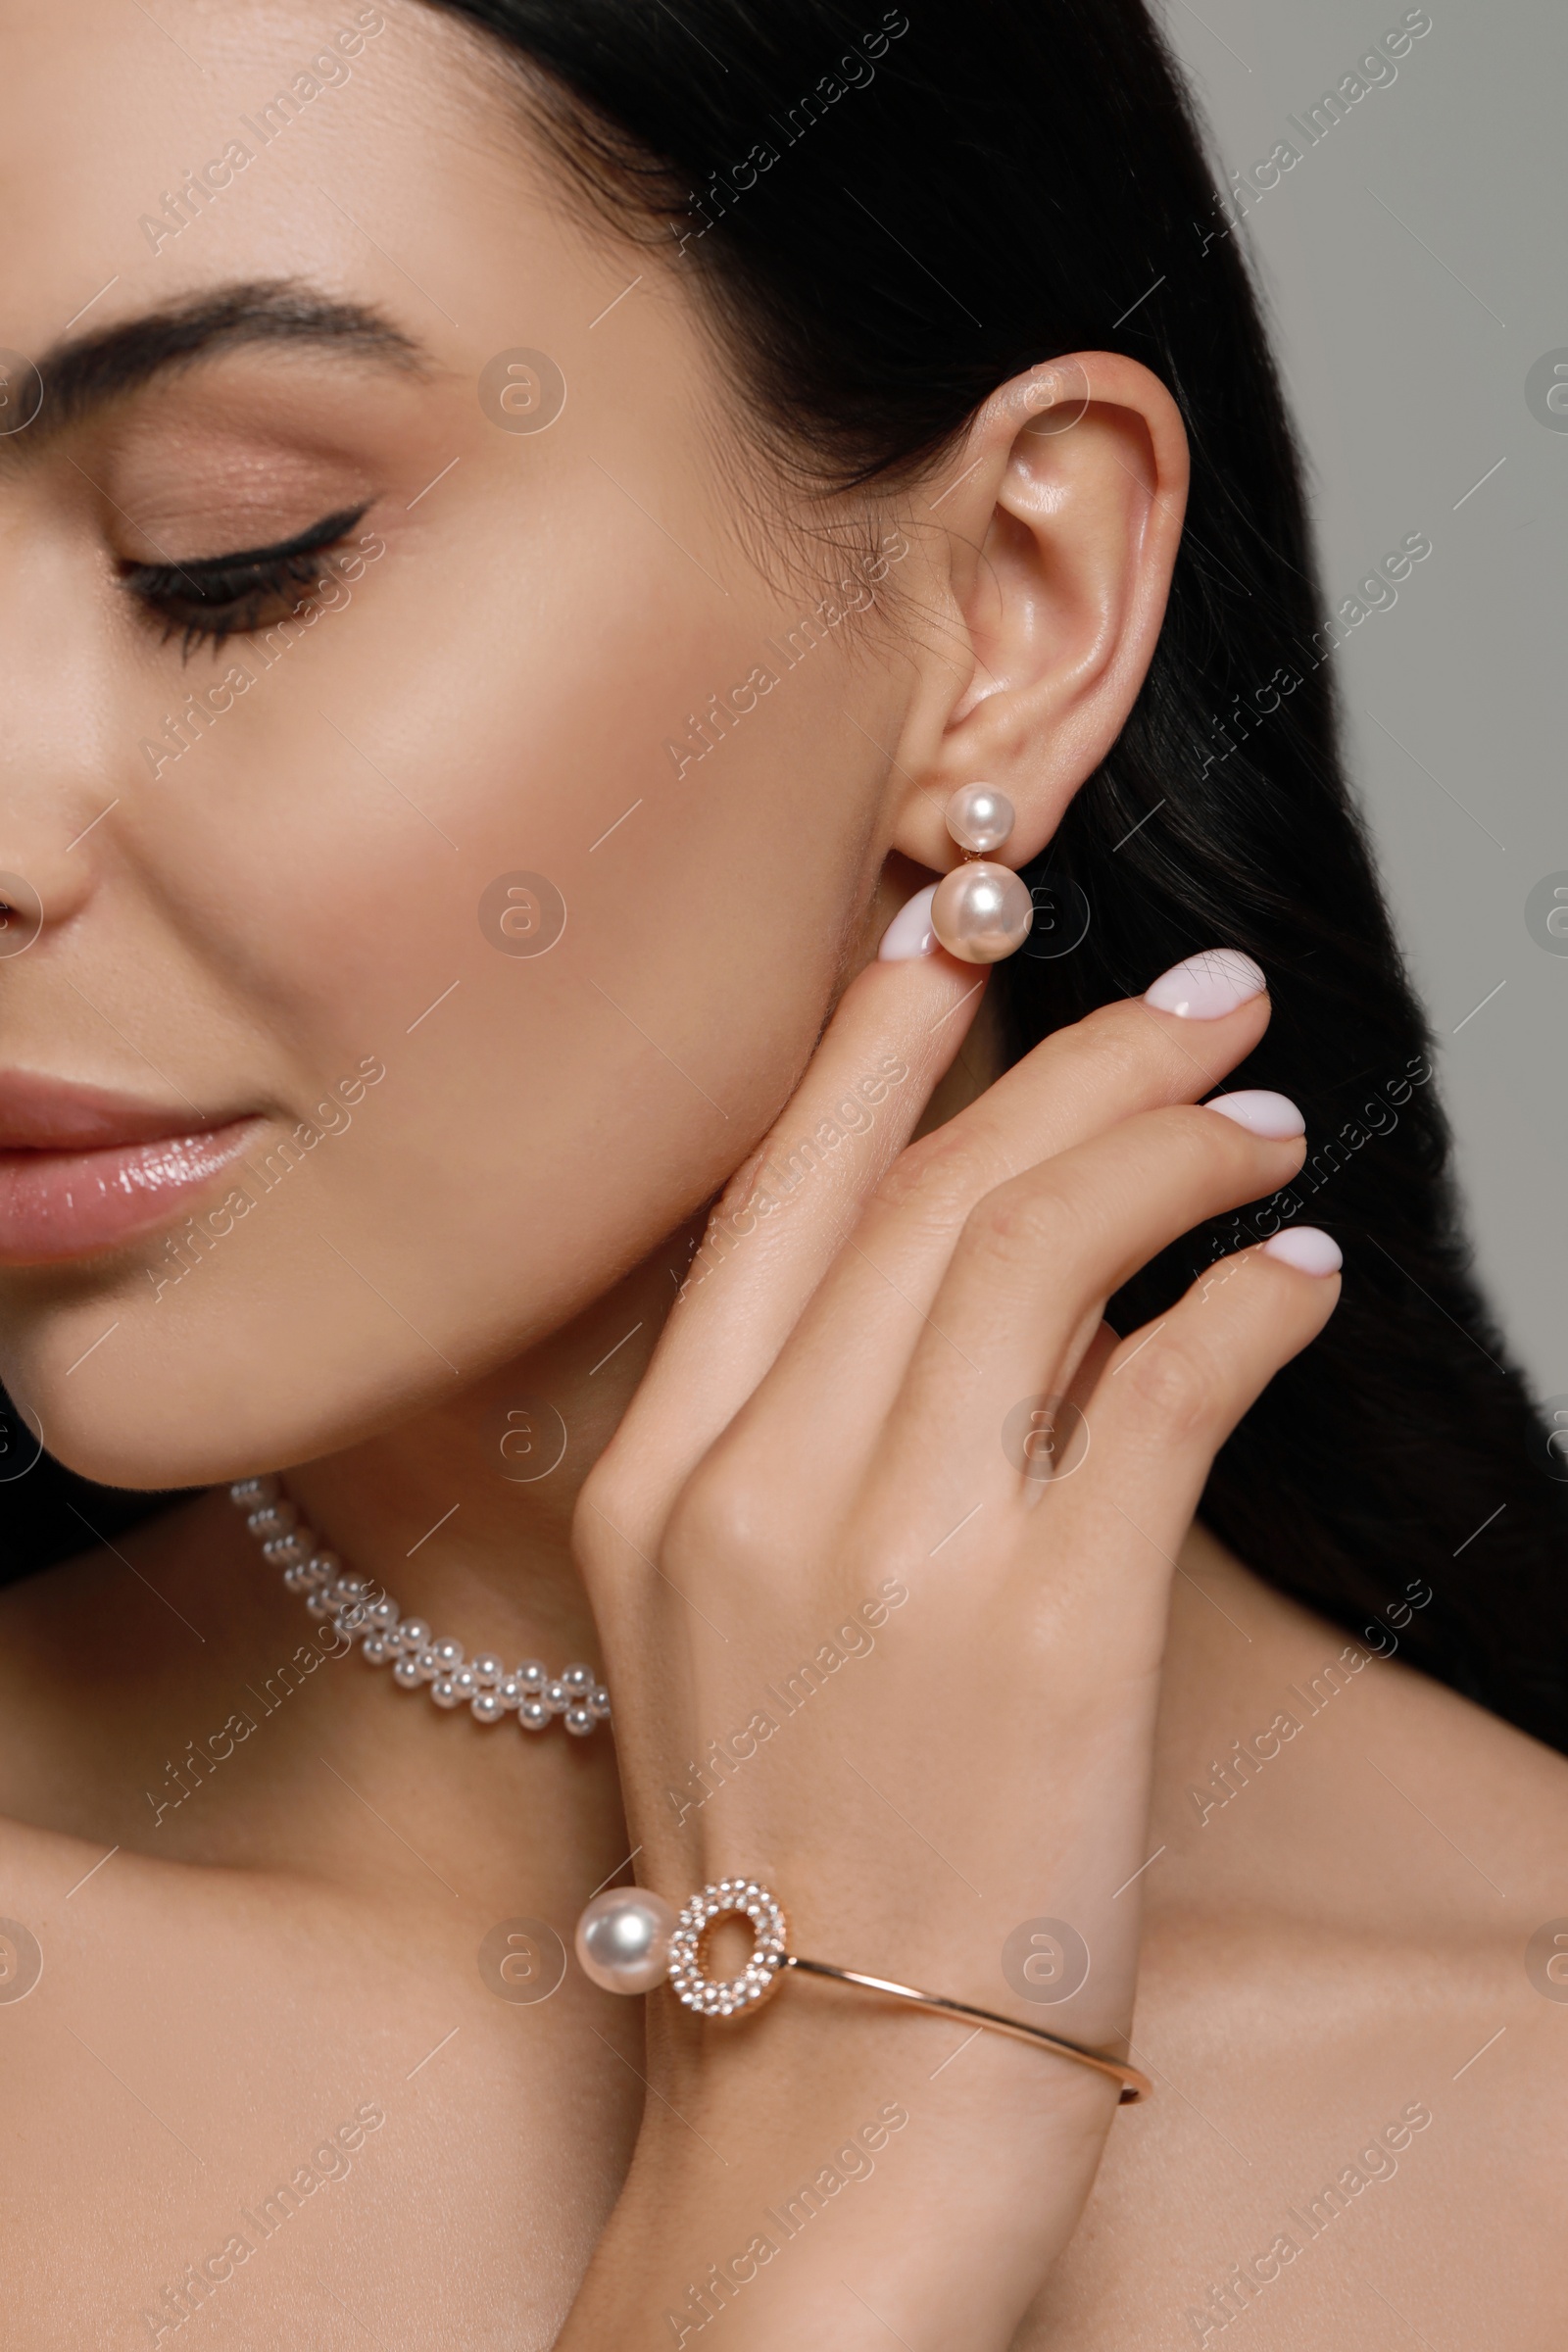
(910, 934)
(1306, 1247)
(1274, 1116)
(1207, 985)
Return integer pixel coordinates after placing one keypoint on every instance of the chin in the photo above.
(128, 1397)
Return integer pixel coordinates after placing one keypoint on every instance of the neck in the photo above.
(464, 1513)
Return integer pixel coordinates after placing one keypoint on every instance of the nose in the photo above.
(57, 772)
(45, 878)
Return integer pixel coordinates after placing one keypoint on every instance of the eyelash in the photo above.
(218, 596)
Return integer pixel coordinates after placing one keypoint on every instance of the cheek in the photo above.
(570, 1068)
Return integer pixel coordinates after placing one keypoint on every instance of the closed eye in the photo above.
(213, 598)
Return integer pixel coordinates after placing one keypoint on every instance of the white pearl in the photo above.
(979, 817)
(364, 1609)
(982, 913)
(272, 1519)
(248, 1493)
(623, 1940)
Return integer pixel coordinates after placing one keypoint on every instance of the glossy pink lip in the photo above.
(83, 1169)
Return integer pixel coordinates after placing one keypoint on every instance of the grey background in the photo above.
(1414, 266)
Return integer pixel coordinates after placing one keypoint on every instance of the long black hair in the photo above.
(889, 214)
(892, 211)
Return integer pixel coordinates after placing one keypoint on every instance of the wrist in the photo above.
(798, 2161)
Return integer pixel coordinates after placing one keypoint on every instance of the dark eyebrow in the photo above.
(83, 375)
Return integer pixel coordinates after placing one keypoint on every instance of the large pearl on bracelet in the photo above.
(623, 1940)
(982, 911)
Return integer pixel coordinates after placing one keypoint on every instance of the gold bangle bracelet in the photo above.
(1134, 2085)
(629, 1941)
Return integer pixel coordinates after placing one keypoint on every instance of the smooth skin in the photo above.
(230, 1980)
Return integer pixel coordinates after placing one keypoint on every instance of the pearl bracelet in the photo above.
(486, 1685)
(629, 1941)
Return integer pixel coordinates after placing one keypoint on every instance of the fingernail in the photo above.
(1306, 1247)
(910, 934)
(1207, 985)
(1274, 1116)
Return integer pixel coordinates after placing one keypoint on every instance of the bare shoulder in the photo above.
(1353, 2003)
(1291, 1750)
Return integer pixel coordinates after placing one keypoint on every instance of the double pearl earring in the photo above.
(981, 912)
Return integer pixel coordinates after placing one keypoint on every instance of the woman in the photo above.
(523, 526)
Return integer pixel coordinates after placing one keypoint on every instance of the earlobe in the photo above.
(1063, 514)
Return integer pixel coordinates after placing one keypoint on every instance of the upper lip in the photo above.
(39, 1114)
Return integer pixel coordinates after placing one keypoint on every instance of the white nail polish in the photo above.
(1275, 1118)
(910, 934)
(1205, 987)
(1306, 1247)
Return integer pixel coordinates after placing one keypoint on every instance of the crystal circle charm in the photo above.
(729, 1898)
(982, 911)
(623, 1940)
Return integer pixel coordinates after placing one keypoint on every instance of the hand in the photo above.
(862, 1654)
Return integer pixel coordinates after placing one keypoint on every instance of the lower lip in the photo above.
(56, 1205)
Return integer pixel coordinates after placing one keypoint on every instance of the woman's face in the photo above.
(432, 967)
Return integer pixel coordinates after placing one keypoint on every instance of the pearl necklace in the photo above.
(406, 1643)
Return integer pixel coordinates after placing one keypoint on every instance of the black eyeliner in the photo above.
(213, 598)
(203, 570)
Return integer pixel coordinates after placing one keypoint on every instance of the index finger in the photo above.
(780, 1230)
(782, 1217)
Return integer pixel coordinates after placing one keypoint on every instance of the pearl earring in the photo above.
(981, 912)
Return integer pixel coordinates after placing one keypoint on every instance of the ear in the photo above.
(1062, 513)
